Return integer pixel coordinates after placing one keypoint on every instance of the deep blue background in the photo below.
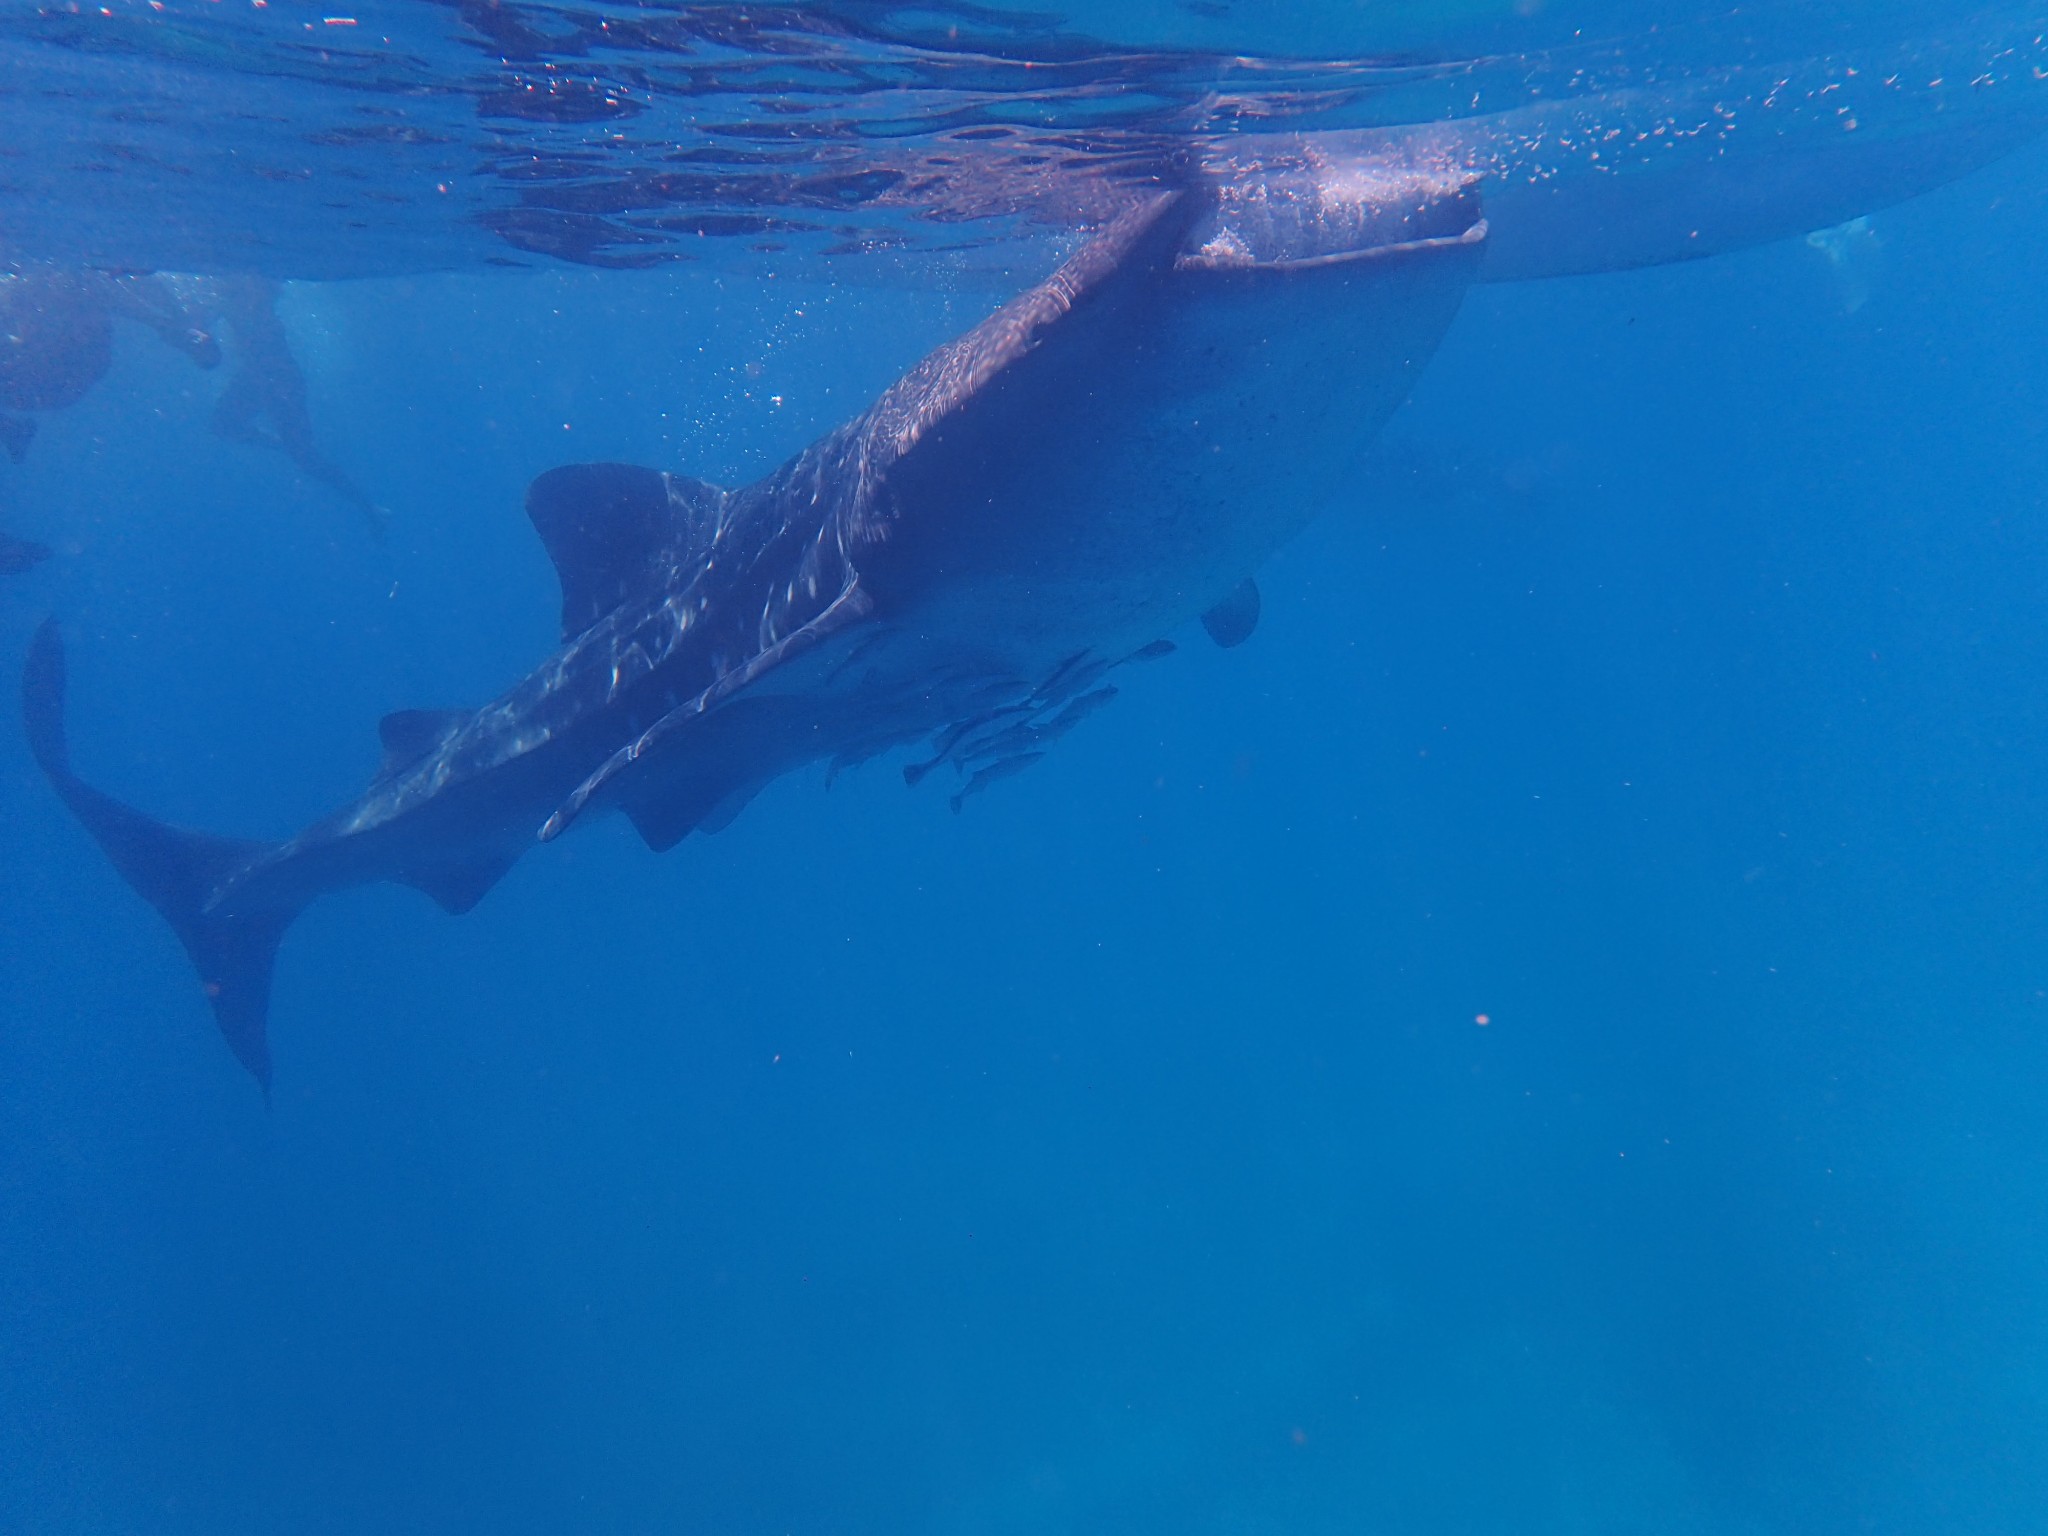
(1121, 1155)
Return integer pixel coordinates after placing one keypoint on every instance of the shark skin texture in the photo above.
(1036, 504)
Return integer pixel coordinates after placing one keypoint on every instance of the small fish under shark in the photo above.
(1031, 508)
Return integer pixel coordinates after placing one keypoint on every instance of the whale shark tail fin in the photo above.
(233, 943)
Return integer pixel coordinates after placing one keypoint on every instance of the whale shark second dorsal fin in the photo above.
(615, 531)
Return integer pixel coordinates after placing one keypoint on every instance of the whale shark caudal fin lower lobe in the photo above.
(233, 947)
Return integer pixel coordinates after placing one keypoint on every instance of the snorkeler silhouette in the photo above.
(57, 338)
(265, 399)
(57, 341)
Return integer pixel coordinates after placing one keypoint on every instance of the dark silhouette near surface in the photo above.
(18, 555)
(57, 342)
(57, 338)
(264, 403)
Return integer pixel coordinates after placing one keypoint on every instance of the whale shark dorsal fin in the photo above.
(1232, 621)
(410, 734)
(615, 531)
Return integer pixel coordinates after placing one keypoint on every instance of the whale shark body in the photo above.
(969, 562)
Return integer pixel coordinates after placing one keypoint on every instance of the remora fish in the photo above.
(1101, 460)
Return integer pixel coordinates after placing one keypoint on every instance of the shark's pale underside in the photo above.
(968, 562)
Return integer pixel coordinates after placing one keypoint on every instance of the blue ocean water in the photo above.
(1126, 1153)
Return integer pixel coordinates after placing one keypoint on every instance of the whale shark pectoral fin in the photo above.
(703, 778)
(665, 819)
(1231, 622)
(614, 530)
(727, 811)
(662, 822)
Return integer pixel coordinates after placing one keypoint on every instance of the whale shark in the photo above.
(969, 563)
